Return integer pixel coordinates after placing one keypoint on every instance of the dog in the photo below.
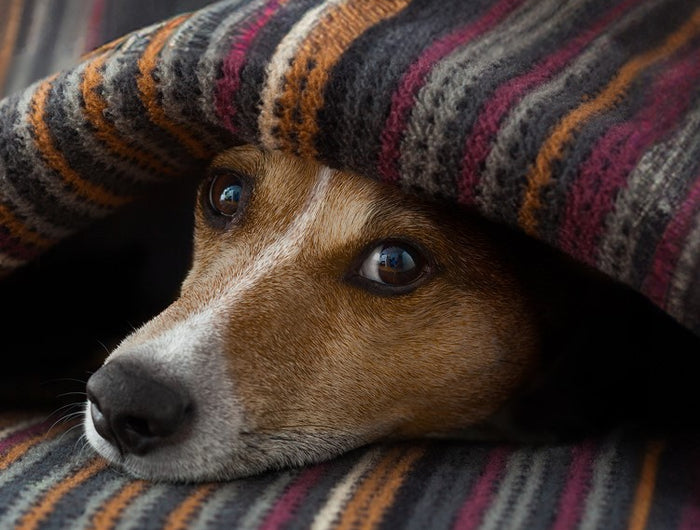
(324, 311)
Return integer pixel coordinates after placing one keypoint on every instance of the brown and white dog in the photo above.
(323, 311)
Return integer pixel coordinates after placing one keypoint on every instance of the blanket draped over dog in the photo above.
(577, 122)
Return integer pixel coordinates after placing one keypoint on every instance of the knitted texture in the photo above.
(612, 482)
(577, 122)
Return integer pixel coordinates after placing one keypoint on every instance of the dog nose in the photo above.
(133, 410)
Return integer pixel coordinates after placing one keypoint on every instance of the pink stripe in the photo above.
(19, 437)
(229, 84)
(670, 247)
(482, 493)
(290, 501)
(616, 154)
(576, 487)
(478, 144)
(402, 100)
(93, 37)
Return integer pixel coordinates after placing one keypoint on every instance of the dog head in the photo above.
(323, 311)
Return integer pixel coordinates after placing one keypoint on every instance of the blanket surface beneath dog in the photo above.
(613, 482)
(576, 121)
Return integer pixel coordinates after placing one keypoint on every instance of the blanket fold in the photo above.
(576, 122)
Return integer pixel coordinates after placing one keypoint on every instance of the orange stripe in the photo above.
(37, 514)
(12, 16)
(179, 517)
(108, 516)
(378, 490)
(305, 88)
(95, 107)
(20, 231)
(149, 90)
(22, 448)
(57, 161)
(645, 488)
(540, 175)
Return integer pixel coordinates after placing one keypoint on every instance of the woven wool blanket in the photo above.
(612, 482)
(576, 122)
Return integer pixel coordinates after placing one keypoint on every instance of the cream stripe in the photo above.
(341, 493)
(279, 65)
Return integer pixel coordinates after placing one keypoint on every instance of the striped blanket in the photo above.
(574, 121)
(612, 482)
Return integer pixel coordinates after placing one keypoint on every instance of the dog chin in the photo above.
(251, 454)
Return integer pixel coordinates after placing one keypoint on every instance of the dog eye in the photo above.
(393, 264)
(225, 194)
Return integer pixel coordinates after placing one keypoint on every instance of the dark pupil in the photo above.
(226, 195)
(396, 266)
(230, 196)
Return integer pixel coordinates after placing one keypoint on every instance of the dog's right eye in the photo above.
(226, 194)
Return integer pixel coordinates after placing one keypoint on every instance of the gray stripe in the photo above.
(601, 492)
(510, 488)
(64, 207)
(208, 515)
(444, 492)
(208, 68)
(501, 185)
(684, 292)
(29, 492)
(265, 501)
(89, 143)
(25, 209)
(95, 501)
(524, 505)
(449, 81)
(131, 517)
(654, 190)
(125, 109)
(179, 62)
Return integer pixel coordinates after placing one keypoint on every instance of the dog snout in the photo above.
(133, 410)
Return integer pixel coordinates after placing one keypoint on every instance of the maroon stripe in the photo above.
(472, 511)
(402, 100)
(228, 85)
(19, 437)
(576, 488)
(617, 153)
(669, 249)
(289, 503)
(14, 248)
(478, 144)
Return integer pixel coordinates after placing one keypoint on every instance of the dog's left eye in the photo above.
(392, 267)
(225, 194)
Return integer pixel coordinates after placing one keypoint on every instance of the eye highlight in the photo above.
(226, 192)
(391, 267)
